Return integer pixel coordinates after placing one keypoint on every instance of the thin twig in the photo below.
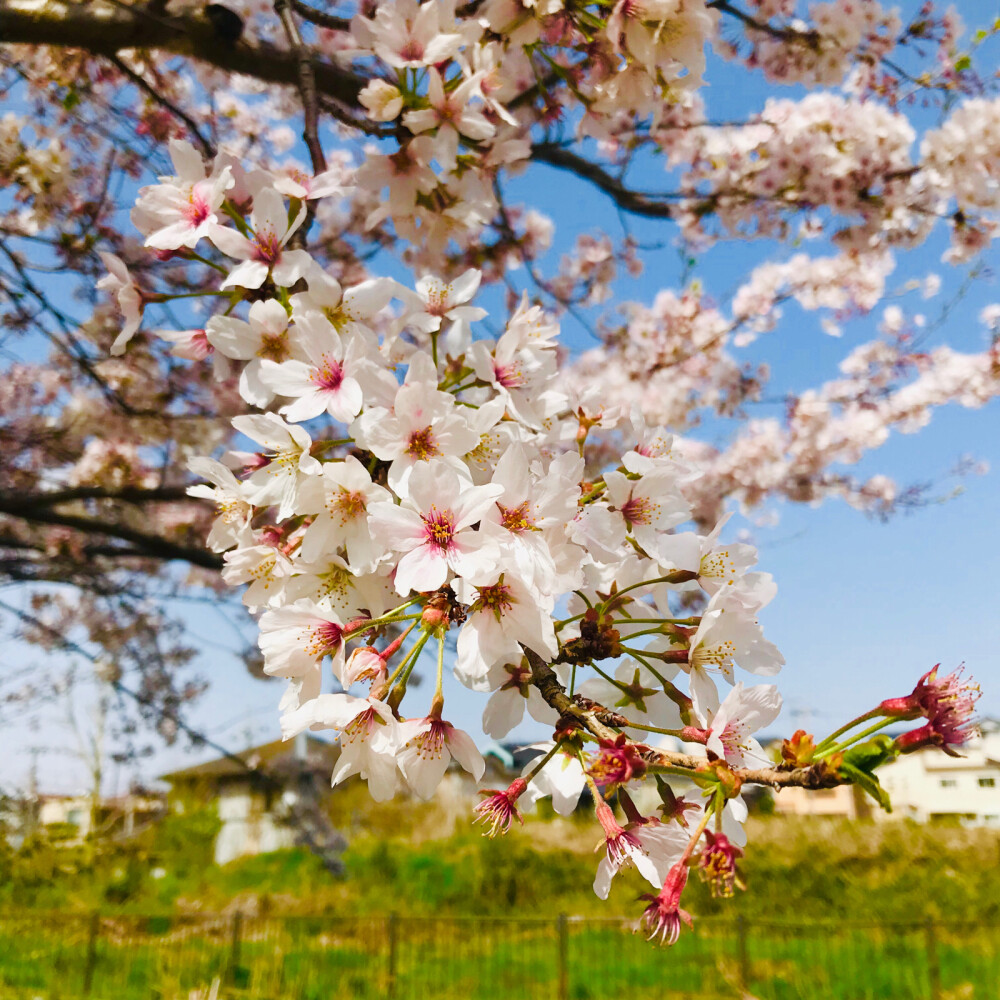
(206, 147)
(307, 84)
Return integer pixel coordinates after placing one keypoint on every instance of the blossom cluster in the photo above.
(407, 479)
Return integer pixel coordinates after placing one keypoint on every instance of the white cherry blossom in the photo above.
(433, 528)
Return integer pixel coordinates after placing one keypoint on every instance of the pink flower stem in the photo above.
(696, 836)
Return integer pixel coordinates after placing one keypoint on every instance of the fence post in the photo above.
(743, 953)
(390, 933)
(90, 962)
(563, 945)
(235, 941)
(933, 965)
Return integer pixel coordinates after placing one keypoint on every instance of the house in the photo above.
(68, 818)
(844, 801)
(930, 785)
(254, 790)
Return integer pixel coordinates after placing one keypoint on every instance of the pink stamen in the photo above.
(330, 377)
(439, 528)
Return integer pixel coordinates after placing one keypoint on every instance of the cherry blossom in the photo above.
(323, 382)
(423, 471)
(433, 528)
(264, 252)
(369, 740)
(119, 282)
(181, 210)
(426, 748)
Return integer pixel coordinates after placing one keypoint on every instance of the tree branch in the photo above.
(206, 147)
(307, 85)
(104, 29)
(631, 201)
(126, 494)
(590, 718)
(152, 545)
(320, 17)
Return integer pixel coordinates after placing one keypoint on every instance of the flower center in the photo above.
(520, 678)
(349, 505)
(360, 727)
(639, 510)
(322, 639)
(422, 445)
(721, 655)
(718, 565)
(431, 745)
(330, 376)
(338, 316)
(518, 518)
(273, 346)
(496, 598)
(439, 527)
(509, 376)
(412, 50)
(266, 247)
(196, 211)
(437, 299)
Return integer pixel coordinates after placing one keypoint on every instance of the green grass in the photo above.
(452, 886)
(488, 959)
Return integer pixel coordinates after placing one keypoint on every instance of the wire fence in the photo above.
(100, 957)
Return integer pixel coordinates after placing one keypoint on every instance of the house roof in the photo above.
(512, 755)
(277, 753)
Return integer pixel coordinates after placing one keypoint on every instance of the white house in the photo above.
(251, 810)
(930, 785)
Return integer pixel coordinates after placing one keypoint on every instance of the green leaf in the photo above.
(963, 63)
(871, 754)
(868, 782)
(71, 100)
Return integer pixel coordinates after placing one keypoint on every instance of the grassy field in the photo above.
(489, 959)
(835, 911)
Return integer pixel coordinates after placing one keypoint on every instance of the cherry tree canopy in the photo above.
(457, 468)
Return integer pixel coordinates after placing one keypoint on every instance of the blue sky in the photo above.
(863, 607)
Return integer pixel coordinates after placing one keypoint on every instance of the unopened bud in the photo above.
(433, 619)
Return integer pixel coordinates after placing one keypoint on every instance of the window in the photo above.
(987, 782)
(949, 783)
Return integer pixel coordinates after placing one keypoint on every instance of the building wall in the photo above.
(73, 809)
(930, 785)
(839, 801)
(248, 826)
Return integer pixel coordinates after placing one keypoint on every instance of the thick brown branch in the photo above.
(105, 29)
(151, 545)
(126, 494)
